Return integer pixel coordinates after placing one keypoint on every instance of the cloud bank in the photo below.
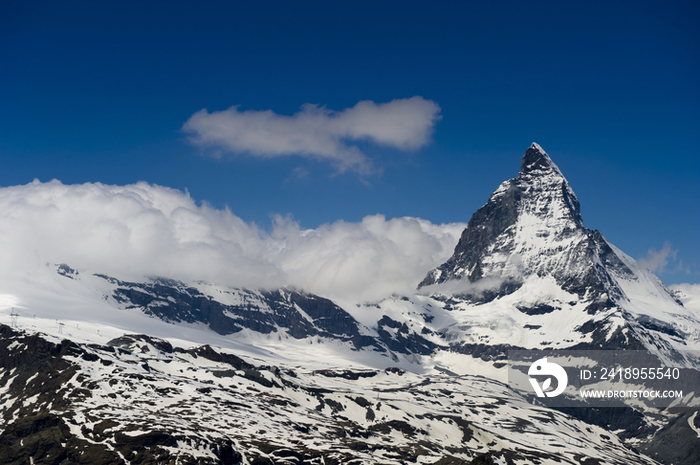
(317, 132)
(143, 230)
(690, 295)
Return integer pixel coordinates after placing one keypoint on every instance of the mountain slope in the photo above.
(140, 400)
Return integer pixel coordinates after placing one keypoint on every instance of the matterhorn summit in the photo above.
(532, 226)
(527, 249)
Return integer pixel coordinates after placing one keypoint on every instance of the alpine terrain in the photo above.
(101, 369)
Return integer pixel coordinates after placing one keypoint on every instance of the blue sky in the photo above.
(91, 92)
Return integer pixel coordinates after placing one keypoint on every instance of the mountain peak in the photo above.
(536, 159)
(532, 226)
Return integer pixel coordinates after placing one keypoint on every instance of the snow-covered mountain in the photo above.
(295, 377)
(140, 400)
(527, 261)
(526, 273)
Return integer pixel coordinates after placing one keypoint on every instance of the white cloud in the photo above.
(139, 230)
(457, 287)
(317, 132)
(656, 260)
(690, 295)
(371, 259)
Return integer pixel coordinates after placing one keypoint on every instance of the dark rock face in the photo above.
(46, 438)
(39, 426)
(67, 271)
(31, 355)
(328, 318)
(131, 341)
(300, 314)
(532, 225)
(676, 443)
(400, 339)
(540, 309)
